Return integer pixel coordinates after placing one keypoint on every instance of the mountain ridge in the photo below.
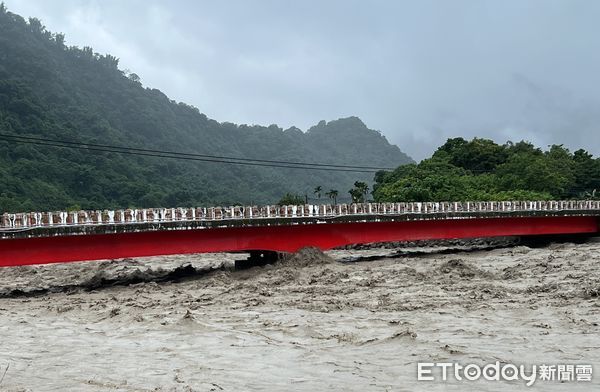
(63, 92)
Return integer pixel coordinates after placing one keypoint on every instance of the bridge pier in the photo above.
(258, 258)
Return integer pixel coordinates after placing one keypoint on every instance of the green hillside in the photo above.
(481, 169)
(59, 92)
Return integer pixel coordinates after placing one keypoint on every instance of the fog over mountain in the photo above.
(57, 101)
(418, 71)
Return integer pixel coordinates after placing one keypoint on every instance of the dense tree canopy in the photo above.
(51, 90)
(483, 170)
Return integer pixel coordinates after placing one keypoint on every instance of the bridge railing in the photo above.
(161, 215)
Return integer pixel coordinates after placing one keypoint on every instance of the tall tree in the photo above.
(332, 194)
(359, 192)
(317, 192)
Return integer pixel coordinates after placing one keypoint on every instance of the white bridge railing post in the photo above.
(448, 210)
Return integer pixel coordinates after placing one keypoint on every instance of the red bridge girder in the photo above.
(283, 238)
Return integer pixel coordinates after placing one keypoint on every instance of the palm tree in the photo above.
(362, 188)
(317, 191)
(355, 195)
(332, 194)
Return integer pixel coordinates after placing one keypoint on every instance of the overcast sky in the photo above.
(418, 71)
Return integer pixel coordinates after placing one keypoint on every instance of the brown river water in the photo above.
(356, 320)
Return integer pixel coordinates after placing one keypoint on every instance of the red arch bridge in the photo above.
(53, 237)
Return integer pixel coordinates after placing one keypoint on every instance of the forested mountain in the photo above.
(51, 90)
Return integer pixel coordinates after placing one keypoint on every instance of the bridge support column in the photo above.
(258, 258)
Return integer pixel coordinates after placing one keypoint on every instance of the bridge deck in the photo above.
(32, 238)
(58, 223)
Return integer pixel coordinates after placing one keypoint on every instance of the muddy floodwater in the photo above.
(356, 320)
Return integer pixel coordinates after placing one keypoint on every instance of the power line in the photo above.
(176, 153)
(166, 154)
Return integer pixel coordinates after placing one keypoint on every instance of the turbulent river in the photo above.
(346, 320)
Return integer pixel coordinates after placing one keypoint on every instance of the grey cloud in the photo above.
(419, 71)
